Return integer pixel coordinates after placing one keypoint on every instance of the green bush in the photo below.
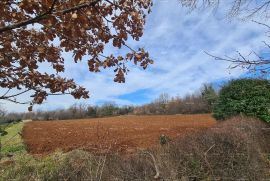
(250, 97)
(164, 139)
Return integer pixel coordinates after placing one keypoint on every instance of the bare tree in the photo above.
(161, 103)
(244, 10)
(236, 8)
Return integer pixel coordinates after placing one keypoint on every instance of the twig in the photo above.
(157, 176)
(206, 160)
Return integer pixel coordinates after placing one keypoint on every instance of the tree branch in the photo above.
(27, 22)
(17, 102)
(80, 6)
(14, 95)
(44, 15)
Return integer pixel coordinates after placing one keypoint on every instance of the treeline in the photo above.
(76, 111)
(200, 102)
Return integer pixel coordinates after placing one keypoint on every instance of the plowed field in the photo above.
(122, 134)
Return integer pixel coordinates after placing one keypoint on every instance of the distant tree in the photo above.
(189, 104)
(125, 110)
(243, 9)
(193, 104)
(3, 131)
(174, 105)
(12, 117)
(82, 110)
(92, 111)
(250, 97)
(35, 34)
(108, 109)
(209, 95)
(161, 103)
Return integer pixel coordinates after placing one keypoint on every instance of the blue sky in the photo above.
(176, 40)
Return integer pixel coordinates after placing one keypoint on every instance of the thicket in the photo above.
(250, 97)
(200, 102)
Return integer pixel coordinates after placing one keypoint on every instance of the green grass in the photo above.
(12, 142)
(75, 165)
(24, 165)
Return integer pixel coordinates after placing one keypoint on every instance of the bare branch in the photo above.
(260, 23)
(259, 64)
(14, 95)
(17, 102)
(6, 93)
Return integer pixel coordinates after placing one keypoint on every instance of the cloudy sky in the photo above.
(176, 40)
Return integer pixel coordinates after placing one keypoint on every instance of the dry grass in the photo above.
(236, 149)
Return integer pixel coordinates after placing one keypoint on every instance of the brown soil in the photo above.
(124, 134)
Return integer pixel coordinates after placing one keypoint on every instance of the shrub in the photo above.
(231, 150)
(250, 97)
(164, 139)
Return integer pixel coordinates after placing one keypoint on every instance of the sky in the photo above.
(177, 40)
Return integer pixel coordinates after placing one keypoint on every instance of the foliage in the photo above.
(35, 34)
(250, 97)
(3, 132)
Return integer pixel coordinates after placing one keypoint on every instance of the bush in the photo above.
(250, 97)
(232, 150)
